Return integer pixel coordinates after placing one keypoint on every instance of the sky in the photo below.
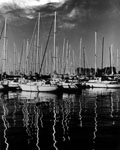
(75, 19)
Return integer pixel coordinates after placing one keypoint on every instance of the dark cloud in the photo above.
(15, 9)
(70, 12)
(87, 10)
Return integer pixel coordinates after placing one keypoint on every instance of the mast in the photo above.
(117, 60)
(70, 62)
(80, 54)
(45, 48)
(34, 54)
(21, 55)
(95, 52)
(68, 67)
(4, 48)
(14, 59)
(63, 56)
(110, 57)
(50, 62)
(54, 55)
(46, 64)
(102, 52)
(41, 56)
(26, 59)
(84, 59)
(73, 62)
(57, 60)
(38, 39)
(67, 54)
(31, 47)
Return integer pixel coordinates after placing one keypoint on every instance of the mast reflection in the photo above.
(6, 124)
(95, 120)
(35, 110)
(49, 121)
(54, 124)
(12, 120)
(80, 112)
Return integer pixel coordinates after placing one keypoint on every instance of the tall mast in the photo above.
(63, 56)
(54, 57)
(50, 61)
(34, 55)
(57, 60)
(74, 62)
(21, 55)
(4, 48)
(80, 54)
(84, 59)
(69, 58)
(102, 52)
(31, 47)
(14, 58)
(45, 48)
(110, 56)
(46, 64)
(38, 39)
(117, 60)
(95, 52)
(67, 54)
(26, 59)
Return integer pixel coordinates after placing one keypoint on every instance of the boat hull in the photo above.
(30, 87)
(38, 87)
(69, 87)
(47, 88)
(103, 84)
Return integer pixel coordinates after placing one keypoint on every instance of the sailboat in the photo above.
(42, 85)
(5, 83)
(99, 82)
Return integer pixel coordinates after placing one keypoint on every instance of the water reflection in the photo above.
(54, 130)
(6, 125)
(95, 120)
(12, 122)
(37, 121)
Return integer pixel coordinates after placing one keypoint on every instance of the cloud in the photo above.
(26, 4)
(67, 25)
(74, 13)
(84, 10)
(26, 8)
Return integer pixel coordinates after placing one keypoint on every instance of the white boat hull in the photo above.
(96, 85)
(31, 87)
(47, 88)
(38, 87)
(13, 84)
(113, 85)
(103, 84)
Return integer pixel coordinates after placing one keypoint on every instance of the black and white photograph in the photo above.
(60, 74)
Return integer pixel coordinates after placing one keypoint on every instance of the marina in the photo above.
(59, 74)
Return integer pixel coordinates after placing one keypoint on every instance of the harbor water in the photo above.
(89, 120)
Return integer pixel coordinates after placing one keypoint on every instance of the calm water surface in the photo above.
(43, 121)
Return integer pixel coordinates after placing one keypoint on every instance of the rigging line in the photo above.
(33, 34)
(2, 30)
(21, 56)
(46, 46)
